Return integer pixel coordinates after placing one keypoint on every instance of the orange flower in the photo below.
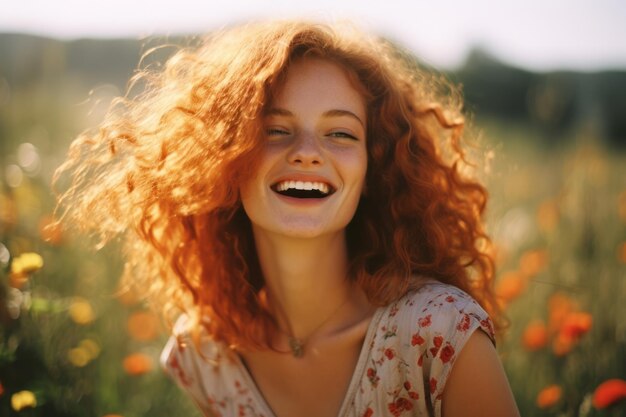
(533, 262)
(510, 286)
(137, 364)
(535, 335)
(562, 345)
(609, 392)
(576, 324)
(559, 306)
(549, 396)
(143, 325)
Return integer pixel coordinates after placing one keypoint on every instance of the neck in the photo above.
(306, 280)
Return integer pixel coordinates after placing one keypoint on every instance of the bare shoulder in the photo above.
(477, 385)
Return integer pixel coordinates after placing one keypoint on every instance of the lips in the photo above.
(303, 188)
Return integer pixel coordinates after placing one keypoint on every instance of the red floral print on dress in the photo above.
(178, 372)
(368, 412)
(420, 360)
(433, 385)
(425, 321)
(464, 324)
(447, 353)
(390, 353)
(412, 394)
(487, 324)
(417, 339)
(373, 376)
(399, 406)
(437, 342)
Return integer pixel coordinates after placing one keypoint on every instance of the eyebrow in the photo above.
(277, 111)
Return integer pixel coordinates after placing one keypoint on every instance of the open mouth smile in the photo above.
(303, 189)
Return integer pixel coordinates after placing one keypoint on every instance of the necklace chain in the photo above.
(297, 345)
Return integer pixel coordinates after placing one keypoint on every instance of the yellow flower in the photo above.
(23, 399)
(91, 347)
(78, 357)
(85, 352)
(81, 311)
(26, 263)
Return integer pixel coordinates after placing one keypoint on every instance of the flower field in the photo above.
(72, 343)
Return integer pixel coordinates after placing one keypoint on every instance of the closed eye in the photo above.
(275, 131)
(342, 134)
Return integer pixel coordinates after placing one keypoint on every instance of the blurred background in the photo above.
(545, 90)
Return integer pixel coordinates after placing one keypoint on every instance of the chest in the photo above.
(315, 385)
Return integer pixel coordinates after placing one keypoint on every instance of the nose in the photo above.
(305, 150)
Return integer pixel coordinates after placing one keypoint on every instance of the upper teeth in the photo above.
(302, 185)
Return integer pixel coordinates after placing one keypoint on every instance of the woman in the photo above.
(295, 191)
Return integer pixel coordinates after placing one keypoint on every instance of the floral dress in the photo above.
(406, 359)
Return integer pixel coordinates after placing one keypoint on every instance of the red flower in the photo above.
(372, 376)
(420, 360)
(414, 395)
(390, 353)
(433, 385)
(399, 405)
(178, 372)
(576, 324)
(407, 385)
(417, 340)
(609, 392)
(450, 299)
(437, 342)
(404, 404)
(447, 353)
(369, 412)
(464, 324)
(488, 325)
(425, 321)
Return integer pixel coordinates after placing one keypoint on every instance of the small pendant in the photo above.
(297, 349)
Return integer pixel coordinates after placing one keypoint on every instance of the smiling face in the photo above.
(312, 172)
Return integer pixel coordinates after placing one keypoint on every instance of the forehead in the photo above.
(321, 80)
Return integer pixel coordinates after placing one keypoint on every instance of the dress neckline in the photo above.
(354, 380)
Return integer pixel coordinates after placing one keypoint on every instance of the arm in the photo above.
(477, 386)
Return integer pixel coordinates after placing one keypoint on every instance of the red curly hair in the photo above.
(164, 170)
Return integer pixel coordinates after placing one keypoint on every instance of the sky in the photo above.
(586, 35)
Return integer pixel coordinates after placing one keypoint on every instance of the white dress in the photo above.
(405, 361)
